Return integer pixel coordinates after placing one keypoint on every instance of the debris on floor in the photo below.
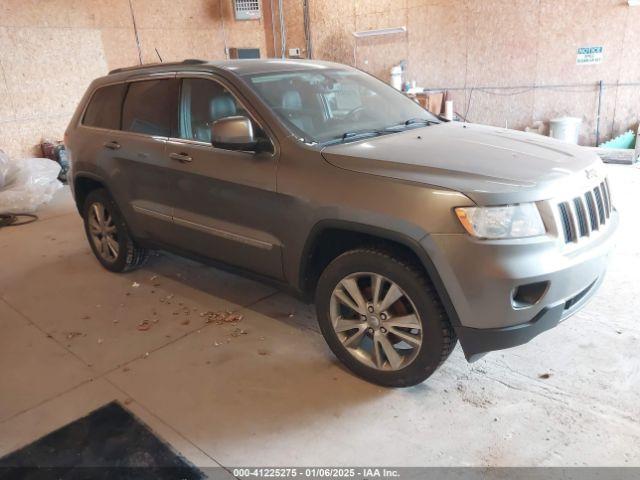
(72, 335)
(144, 326)
(238, 331)
(166, 299)
(234, 317)
(221, 317)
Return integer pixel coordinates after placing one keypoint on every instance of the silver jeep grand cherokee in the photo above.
(408, 232)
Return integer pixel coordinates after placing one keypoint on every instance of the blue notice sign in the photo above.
(589, 55)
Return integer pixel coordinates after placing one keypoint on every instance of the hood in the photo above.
(488, 164)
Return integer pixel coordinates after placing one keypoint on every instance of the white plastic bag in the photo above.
(26, 184)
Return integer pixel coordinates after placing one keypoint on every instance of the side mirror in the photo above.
(233, 133)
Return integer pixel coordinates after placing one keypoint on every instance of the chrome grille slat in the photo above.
(573, 218)
(585, 223)
(566, 222)
(600, 205)
(607, 203)
(591, 207)
(583, 215)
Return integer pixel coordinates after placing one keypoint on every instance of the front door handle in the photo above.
(181, 157)
(112, 145)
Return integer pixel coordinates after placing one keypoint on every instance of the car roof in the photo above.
(238, 67)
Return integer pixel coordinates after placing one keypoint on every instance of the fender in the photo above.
(407, 241)
(88, 175)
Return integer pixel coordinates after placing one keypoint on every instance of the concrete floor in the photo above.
(267, 391)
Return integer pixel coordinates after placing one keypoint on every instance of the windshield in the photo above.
(334, 104)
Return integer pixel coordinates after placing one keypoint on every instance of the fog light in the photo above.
(527, 295)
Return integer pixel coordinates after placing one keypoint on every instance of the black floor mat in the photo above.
(108, 443)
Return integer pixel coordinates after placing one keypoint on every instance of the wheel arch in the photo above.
(330, 238)
(83, 185)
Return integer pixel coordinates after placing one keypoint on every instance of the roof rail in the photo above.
(188, 61)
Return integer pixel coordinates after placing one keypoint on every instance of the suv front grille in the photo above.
(583, 215)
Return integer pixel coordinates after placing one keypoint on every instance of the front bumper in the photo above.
(480, 278)
(476, 342)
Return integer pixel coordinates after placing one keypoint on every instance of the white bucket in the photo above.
(448, 110)
(396, 77)
(566, 129)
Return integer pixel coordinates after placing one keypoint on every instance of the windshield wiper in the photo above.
(360, 133)
(411, 122)
(426, 121)
(355, 134)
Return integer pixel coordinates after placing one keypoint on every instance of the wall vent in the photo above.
(247, 9)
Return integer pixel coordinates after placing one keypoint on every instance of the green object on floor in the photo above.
(626, 140)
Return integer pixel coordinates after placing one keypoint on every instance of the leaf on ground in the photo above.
(144, 326)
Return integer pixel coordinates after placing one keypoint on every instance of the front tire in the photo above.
(108, 234)
(382, 318)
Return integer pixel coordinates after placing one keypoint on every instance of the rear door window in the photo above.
(149, 107)
(104, 109)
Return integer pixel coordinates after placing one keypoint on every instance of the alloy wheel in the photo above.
(376, 321)
(103, 231)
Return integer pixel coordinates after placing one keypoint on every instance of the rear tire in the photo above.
(108, 234)
(416, 315)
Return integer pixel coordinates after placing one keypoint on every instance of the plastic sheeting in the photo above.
(26, 184)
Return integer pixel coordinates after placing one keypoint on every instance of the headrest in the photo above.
(291, 100)
(222, 106)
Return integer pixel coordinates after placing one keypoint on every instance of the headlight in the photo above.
(509, 221)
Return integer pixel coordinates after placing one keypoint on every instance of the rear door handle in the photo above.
(112, 145)
(181, 157)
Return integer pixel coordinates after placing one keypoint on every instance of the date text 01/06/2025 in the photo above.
(315, 472)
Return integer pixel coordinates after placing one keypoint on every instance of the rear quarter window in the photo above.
(148, 107)
(104, 107)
